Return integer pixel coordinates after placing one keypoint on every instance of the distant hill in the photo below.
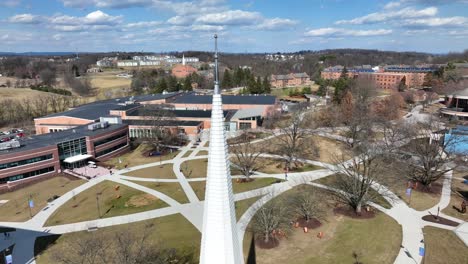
(45, 53)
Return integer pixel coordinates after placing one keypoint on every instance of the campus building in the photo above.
(290, 80)
(456, 105)
(387, 77)
(189, 113)
(42, 156)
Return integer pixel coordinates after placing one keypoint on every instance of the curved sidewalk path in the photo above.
(26, 233)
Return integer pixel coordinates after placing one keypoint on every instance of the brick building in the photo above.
(46, 155)
(182, 71)
(290, 80)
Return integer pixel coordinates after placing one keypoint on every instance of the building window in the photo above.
(27, 174)
(109, 150)
(243, 125)
(25, 162)
(72, 148)
(109, 139)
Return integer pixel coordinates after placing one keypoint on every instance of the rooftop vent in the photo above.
(10, 145)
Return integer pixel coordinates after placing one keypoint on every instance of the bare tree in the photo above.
(294, 139)
(159, 119)
(48, 76)
(270, 218)
(356, 177)
(306, 204)
(85, 250)
(246, 156)
(358, 117)
(432, 153)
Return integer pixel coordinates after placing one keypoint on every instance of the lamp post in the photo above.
(97, 203)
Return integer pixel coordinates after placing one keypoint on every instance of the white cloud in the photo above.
(379, 17)
(434, 2)
(10, 3)
(25, 19)
(392, 5)
(69, 28)
(231, 17)
(57, 36)
(208, 28)
(181, 20)
(100, 18)
(143, 24)
(276, 24)
(96, 20)
(437, 22)
(107, 3)
(341, 32)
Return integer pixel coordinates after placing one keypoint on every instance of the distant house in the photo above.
(290, 80)
(93, 70)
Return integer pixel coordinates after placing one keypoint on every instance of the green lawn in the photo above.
(156, 172)
(194, 168)
(171, 189)
(443, 246)
(243, 205)
(17, 209)
(187, 154)
(84, 206)
(375, 240)
(172, 231)
(199, 186)
(138, 157)
(202, 153)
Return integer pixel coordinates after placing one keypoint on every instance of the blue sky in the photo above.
(437, 26)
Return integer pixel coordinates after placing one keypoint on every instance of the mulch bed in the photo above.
(311, 224)
(435, 188)
(274, 242)
(244, 180)
(348, 211)
(442, 221)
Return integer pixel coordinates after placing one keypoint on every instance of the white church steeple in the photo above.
(220, 243)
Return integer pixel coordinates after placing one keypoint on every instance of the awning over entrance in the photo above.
(77, 158)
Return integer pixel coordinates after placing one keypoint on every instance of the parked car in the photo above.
(5, 139)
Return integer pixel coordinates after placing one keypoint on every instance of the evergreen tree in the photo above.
(172, 84)
(322, 90)
(306, 90)
(238, 77)
(161, 86)
(259, 86)
(251, 85)
(227, 80)
(344, 73)
(187, 84)
(266, 85)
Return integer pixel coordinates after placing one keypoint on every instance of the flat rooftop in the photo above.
(44, 140)
(148, 110)
(173, 123)
(93, 111)
(191, 98)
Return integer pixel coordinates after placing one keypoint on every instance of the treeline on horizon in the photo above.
(311, 62)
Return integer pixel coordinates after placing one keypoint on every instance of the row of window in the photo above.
(72, 148)
(109, 139)
(25, 162)
(109, 150)
(27, 174)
